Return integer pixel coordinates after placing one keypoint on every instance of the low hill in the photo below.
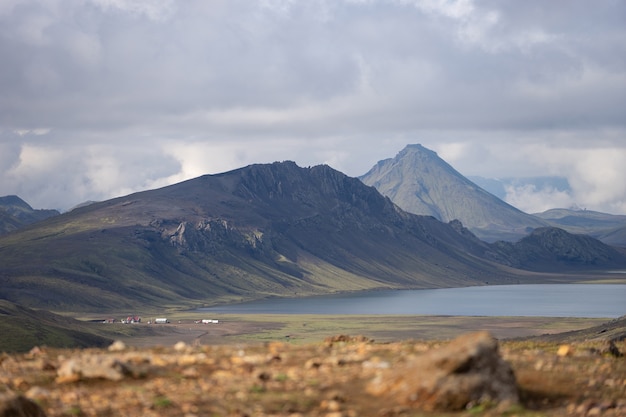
(611, 331)
(615, 237)
(262, 230)
(554, 249)
(420, 182)
(609, 228)
(8, 222)
(28, 328)
(16, 213)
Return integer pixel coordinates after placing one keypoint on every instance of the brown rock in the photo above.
(92, 366)
(12, 405)
(564, 350)
(466, 372)
(117, 346)
(342, 338)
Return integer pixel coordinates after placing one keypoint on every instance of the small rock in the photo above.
(191, 373)
(330, 405)
(180, 346)
(117, 346)
(564, 350)
(37, 393)
(35, 351)
(313, 363)
(342, 338)
(595, 411)
(12, 405)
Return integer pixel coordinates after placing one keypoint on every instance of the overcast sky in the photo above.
(100, 98)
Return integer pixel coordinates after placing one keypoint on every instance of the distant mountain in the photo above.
(420, 182)
(83, 204)
(609, 228)
(259, 231)
(554, 249)
(16, 213)
(615, 237)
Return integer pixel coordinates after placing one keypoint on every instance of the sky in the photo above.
(102, 98)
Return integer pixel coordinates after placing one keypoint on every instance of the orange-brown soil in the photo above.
(327, 378)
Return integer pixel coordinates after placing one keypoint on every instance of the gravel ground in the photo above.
(328, 378)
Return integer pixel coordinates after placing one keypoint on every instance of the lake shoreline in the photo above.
(524, 300)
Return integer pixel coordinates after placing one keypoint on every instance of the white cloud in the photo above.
(532, 200)
(152, 9)
(598, 177)
(595, 169)
(37, 131)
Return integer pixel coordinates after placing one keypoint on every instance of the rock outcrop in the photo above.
(467, 372)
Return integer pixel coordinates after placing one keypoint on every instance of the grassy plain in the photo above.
(303, 329)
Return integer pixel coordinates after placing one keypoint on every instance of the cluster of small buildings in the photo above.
(131, 319)
(159, 320)
(127, 320)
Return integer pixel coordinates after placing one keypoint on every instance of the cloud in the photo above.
(502, 88)
(158, 10)
(594, 168)
(531, 199)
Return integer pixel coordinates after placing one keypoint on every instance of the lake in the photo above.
(547, 300)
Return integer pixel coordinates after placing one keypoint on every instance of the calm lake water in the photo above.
(548, 300)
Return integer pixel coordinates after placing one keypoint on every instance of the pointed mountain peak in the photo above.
(14, 201)
(420, 182)
(417, 148)
(411, 161)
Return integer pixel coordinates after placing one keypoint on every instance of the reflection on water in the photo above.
(549, 300)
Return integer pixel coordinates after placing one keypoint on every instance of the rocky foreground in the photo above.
(343, 376)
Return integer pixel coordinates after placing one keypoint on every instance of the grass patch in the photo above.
(161, 402)
(303, 329)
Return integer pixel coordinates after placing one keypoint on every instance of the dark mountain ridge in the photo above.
(259, 231)
(16, 213)
(554, 249)
(420, 182)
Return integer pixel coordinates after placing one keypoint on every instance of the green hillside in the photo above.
(23, 328)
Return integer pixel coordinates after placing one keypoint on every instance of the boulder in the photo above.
(467, 372)
(90, 367)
